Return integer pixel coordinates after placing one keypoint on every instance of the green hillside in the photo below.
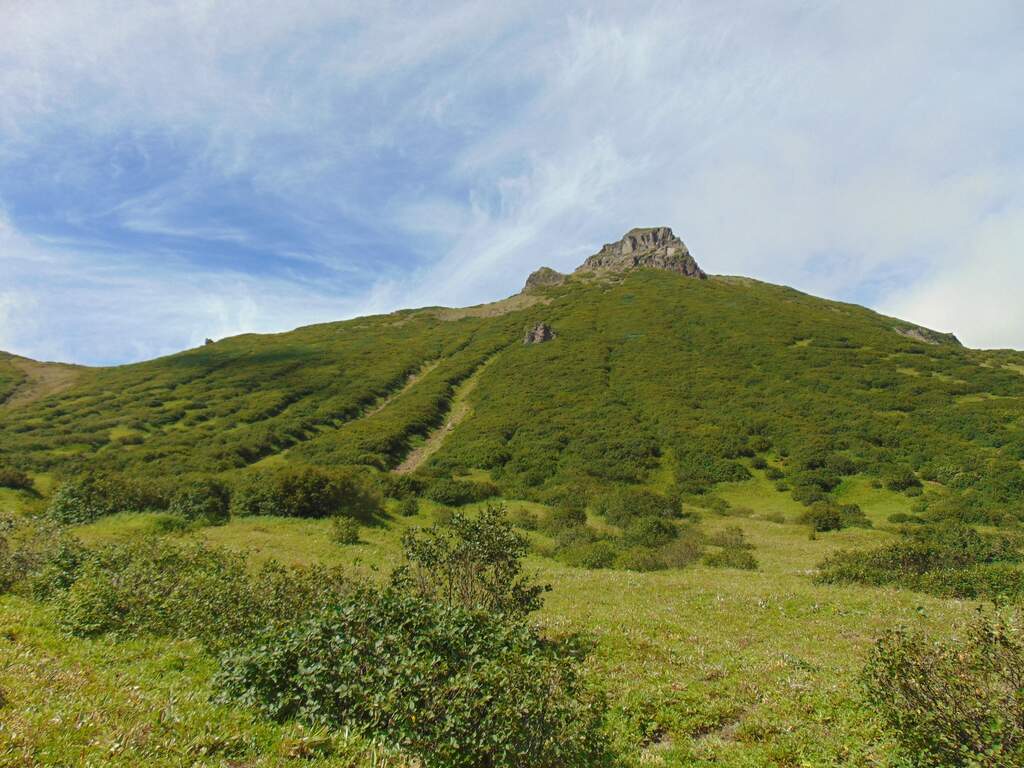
(733, 489)
(652, 378)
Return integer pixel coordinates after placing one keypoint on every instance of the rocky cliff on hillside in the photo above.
(651, 247)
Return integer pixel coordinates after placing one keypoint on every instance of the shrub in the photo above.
(623, 505)
(902, 479)
(452, 686)
(409, 507)
(562, 518)
(774, 473)
(759, 462)
(639, 559)
(524, 518)
(954, 703)
(731, 537)
(457, 493)
(306, 492)
(344, 530)
(96, 494)
(731, 558)
(950, 559)
(685, 550)
(157, 587)
(15, 478)
(592, 554)
(473, 563)
(900, 518)
(823, 516)
(204, 500)
(650, 532)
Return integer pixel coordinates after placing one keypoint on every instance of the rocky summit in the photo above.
(652, 247)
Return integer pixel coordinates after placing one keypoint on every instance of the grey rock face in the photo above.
(540, 333)
(543, 277)
(650, 247)
(927, 335)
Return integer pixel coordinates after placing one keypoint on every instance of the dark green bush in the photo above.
(95, 494)
(827, 516)
(953, 703)
(622, 505)
(639, 559)
(731, 558)
(590, 554)
(774, 473)
(306, 492)
(158, 587)
(683, 551)
(408, 507)
(823, 516)
(457, 493)
(15, 478)
(562, 518)
(204, 500)
(344, 530)
(949, 559)
(730, 537)
(451, 686)
(901, 479)
(650, 532)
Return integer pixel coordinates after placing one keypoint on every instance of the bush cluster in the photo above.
(948, 559)
(827, 516)
(92, 495)
(441, 662)
(304, 491)
(451, 685)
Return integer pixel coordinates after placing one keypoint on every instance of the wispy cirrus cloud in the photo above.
(177, 170)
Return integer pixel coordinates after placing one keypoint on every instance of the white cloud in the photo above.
(865, 151)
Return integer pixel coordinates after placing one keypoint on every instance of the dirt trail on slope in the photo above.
(459, 410)
(41, 380)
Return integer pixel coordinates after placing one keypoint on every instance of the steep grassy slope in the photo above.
(650, 376)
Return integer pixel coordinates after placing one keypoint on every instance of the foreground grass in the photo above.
(67, 701)
(703, 666)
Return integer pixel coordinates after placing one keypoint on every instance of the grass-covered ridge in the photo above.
(652, 379)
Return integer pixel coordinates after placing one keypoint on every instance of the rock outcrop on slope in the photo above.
(650, 247)
(543, 278)
(540, 333)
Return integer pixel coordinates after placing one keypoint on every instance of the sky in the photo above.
(172, 171)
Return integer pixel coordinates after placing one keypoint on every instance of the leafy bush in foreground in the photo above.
(473, 563)
(453, 686)
(957, 703)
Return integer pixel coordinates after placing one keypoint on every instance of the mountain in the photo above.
(652, 372)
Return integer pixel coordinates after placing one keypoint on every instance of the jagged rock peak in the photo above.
(652, 247)
(540, 333)
(543, 277)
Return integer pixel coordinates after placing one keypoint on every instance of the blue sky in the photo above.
(176, 170)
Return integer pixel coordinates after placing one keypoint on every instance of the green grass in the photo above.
(703, 666)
